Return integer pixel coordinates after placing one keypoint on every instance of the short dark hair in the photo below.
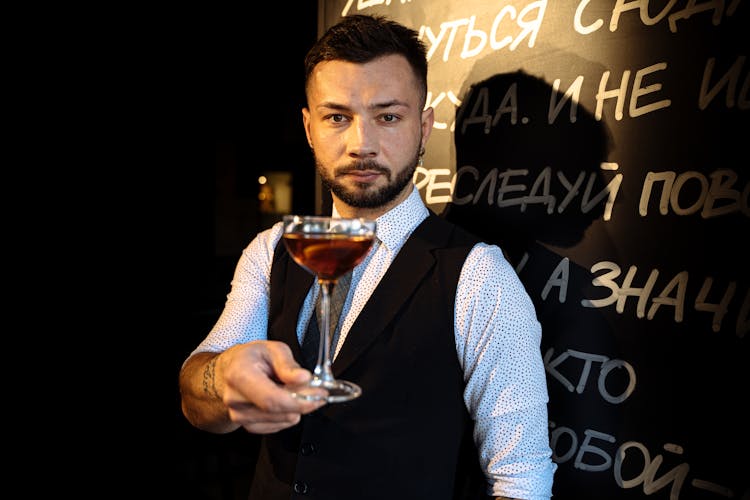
(362, 38)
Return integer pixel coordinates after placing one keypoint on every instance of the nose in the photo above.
(362, 140)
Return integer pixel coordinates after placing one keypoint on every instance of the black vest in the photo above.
(408, 436)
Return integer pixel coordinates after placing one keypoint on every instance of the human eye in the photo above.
(389, 118)
(336, 118)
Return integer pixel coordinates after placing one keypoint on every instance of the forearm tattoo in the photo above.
(209, 380)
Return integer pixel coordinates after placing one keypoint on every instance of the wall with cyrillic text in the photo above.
(605, 146)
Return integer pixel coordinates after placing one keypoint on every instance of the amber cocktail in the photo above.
(327, 247)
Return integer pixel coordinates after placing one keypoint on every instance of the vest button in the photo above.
(308, 449)
(300, 487)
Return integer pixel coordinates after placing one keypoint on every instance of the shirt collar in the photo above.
(395, 226)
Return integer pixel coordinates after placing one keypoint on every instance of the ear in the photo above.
(428, 119)
(306, 124)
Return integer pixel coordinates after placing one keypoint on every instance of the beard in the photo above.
(363, 195)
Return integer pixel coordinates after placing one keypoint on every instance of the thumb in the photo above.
(293, 373)
(286, 368)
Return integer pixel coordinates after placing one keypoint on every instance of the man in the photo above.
(447, 340)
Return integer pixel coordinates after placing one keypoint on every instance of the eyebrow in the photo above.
(376, 106)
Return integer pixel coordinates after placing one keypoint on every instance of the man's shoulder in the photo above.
(457, 233)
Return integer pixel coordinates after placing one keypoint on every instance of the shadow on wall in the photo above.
(514, 169)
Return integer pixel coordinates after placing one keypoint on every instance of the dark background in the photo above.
(212, 98)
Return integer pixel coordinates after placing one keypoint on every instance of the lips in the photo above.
(362, 175)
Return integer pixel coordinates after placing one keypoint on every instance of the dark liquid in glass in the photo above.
(327, 256)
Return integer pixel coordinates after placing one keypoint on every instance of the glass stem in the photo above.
(323, 366)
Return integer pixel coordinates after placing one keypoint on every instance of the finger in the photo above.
(307, 393)
(266, 428)
(269, 397)
(257, 421)
(246, 414)
(286, 368)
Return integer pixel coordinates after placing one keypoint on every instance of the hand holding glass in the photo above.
(328, 248)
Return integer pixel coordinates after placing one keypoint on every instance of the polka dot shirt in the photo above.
(497, 343)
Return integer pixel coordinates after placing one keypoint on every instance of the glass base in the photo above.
(338, 391)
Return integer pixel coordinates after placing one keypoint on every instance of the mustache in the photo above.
(363, 165)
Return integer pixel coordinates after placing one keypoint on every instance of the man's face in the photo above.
(366, 126)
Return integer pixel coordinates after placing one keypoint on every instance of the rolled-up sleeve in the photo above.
(498, 343)
(245, 314)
